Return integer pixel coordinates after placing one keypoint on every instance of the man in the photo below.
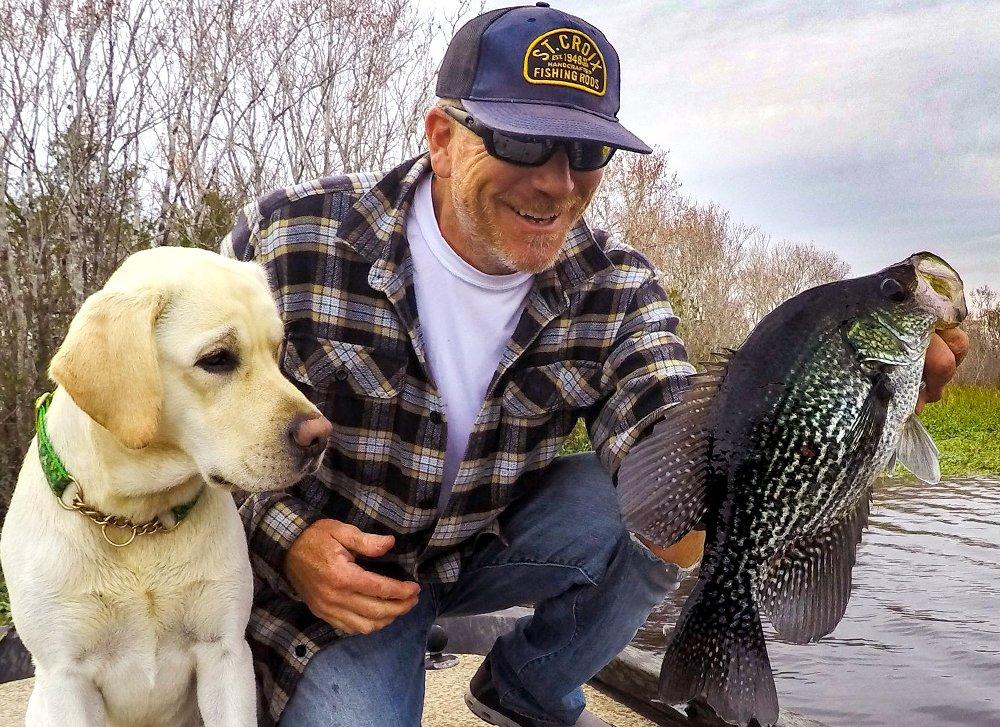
(453, 318)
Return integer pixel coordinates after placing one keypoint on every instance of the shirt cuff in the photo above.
(284, 519)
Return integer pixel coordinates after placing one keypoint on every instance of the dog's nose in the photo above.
(309, 432)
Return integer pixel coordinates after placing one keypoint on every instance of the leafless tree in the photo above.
(148, 122)
(722, 276)
(982, 365)
(777, 271)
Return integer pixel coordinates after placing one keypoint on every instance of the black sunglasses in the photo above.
(529, 151)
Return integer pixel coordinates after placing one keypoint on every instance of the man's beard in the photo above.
(540, 251)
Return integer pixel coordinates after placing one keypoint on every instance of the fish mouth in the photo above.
(939, 289)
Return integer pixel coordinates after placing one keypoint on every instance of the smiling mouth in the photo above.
(305, 466)
(533, 218)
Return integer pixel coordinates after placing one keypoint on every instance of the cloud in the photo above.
(866, 128)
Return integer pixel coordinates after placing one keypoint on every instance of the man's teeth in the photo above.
(535, 218)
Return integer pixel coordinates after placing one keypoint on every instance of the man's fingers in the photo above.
(376, 609)
(378, 586)
(958, 341)
(685, 552)
(939, 368)
(351, 623)
(359, 542)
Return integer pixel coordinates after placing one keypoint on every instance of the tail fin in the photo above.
(718, 655)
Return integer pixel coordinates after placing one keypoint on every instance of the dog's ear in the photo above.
(108, 363)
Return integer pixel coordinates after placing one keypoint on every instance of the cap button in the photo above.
(541, 5)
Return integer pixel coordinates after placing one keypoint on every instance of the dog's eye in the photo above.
(218, 362)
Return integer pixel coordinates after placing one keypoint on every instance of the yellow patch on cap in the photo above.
(566, 57)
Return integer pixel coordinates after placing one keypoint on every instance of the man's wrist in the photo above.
(271, 535)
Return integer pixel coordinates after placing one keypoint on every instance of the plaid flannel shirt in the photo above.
(596, 340)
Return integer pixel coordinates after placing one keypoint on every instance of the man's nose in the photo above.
(310, 432)
(554, 177)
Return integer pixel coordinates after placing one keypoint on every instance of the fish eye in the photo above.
(894, 290)
(218, 362)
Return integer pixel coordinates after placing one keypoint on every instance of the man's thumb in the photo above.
(361, 543)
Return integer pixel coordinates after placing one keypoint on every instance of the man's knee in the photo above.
(364, 681)
(582, 489)
(570, 514)
(603, 532)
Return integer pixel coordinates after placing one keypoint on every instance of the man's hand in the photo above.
(685, 552)
(945, 353)
(320, 566)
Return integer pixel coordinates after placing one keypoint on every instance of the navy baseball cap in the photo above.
(537, 71)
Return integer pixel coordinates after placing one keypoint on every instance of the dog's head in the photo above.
(180, 351)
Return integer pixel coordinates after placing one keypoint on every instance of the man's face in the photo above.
(510, 217)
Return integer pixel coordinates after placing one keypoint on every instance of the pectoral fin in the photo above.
(917, 451)
(662, 481)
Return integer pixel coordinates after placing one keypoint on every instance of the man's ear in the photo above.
(109, 366)
(439, 129)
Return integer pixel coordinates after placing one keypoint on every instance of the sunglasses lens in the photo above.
(586, 156)
(522, 151)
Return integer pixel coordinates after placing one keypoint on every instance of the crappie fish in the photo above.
(775, 448)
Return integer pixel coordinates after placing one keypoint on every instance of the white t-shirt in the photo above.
(466, 319)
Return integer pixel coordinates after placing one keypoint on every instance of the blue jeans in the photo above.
(567, 553)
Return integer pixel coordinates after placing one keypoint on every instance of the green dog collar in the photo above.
(59, 479)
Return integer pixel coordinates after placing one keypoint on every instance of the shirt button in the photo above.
(300, 650)
(435, 417)
(341, 374)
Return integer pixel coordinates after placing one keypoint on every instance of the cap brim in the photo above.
(533, 119)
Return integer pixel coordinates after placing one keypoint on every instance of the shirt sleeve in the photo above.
(272, 520)
(647, 369)
(241, 242)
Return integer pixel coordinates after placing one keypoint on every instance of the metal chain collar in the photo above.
(119, 521)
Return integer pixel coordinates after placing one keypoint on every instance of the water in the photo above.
(920, 642)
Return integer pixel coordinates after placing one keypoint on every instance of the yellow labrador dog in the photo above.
(169, 396)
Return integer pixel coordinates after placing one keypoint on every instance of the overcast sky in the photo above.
(871, 129)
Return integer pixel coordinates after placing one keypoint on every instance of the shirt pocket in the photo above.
(335, 368)
(563, 386)
(358, 389)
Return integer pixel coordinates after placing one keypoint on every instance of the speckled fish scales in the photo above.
(774, 449)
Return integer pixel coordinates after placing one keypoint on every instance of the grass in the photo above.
(4, 602)
(965, 424)
(578, 441)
